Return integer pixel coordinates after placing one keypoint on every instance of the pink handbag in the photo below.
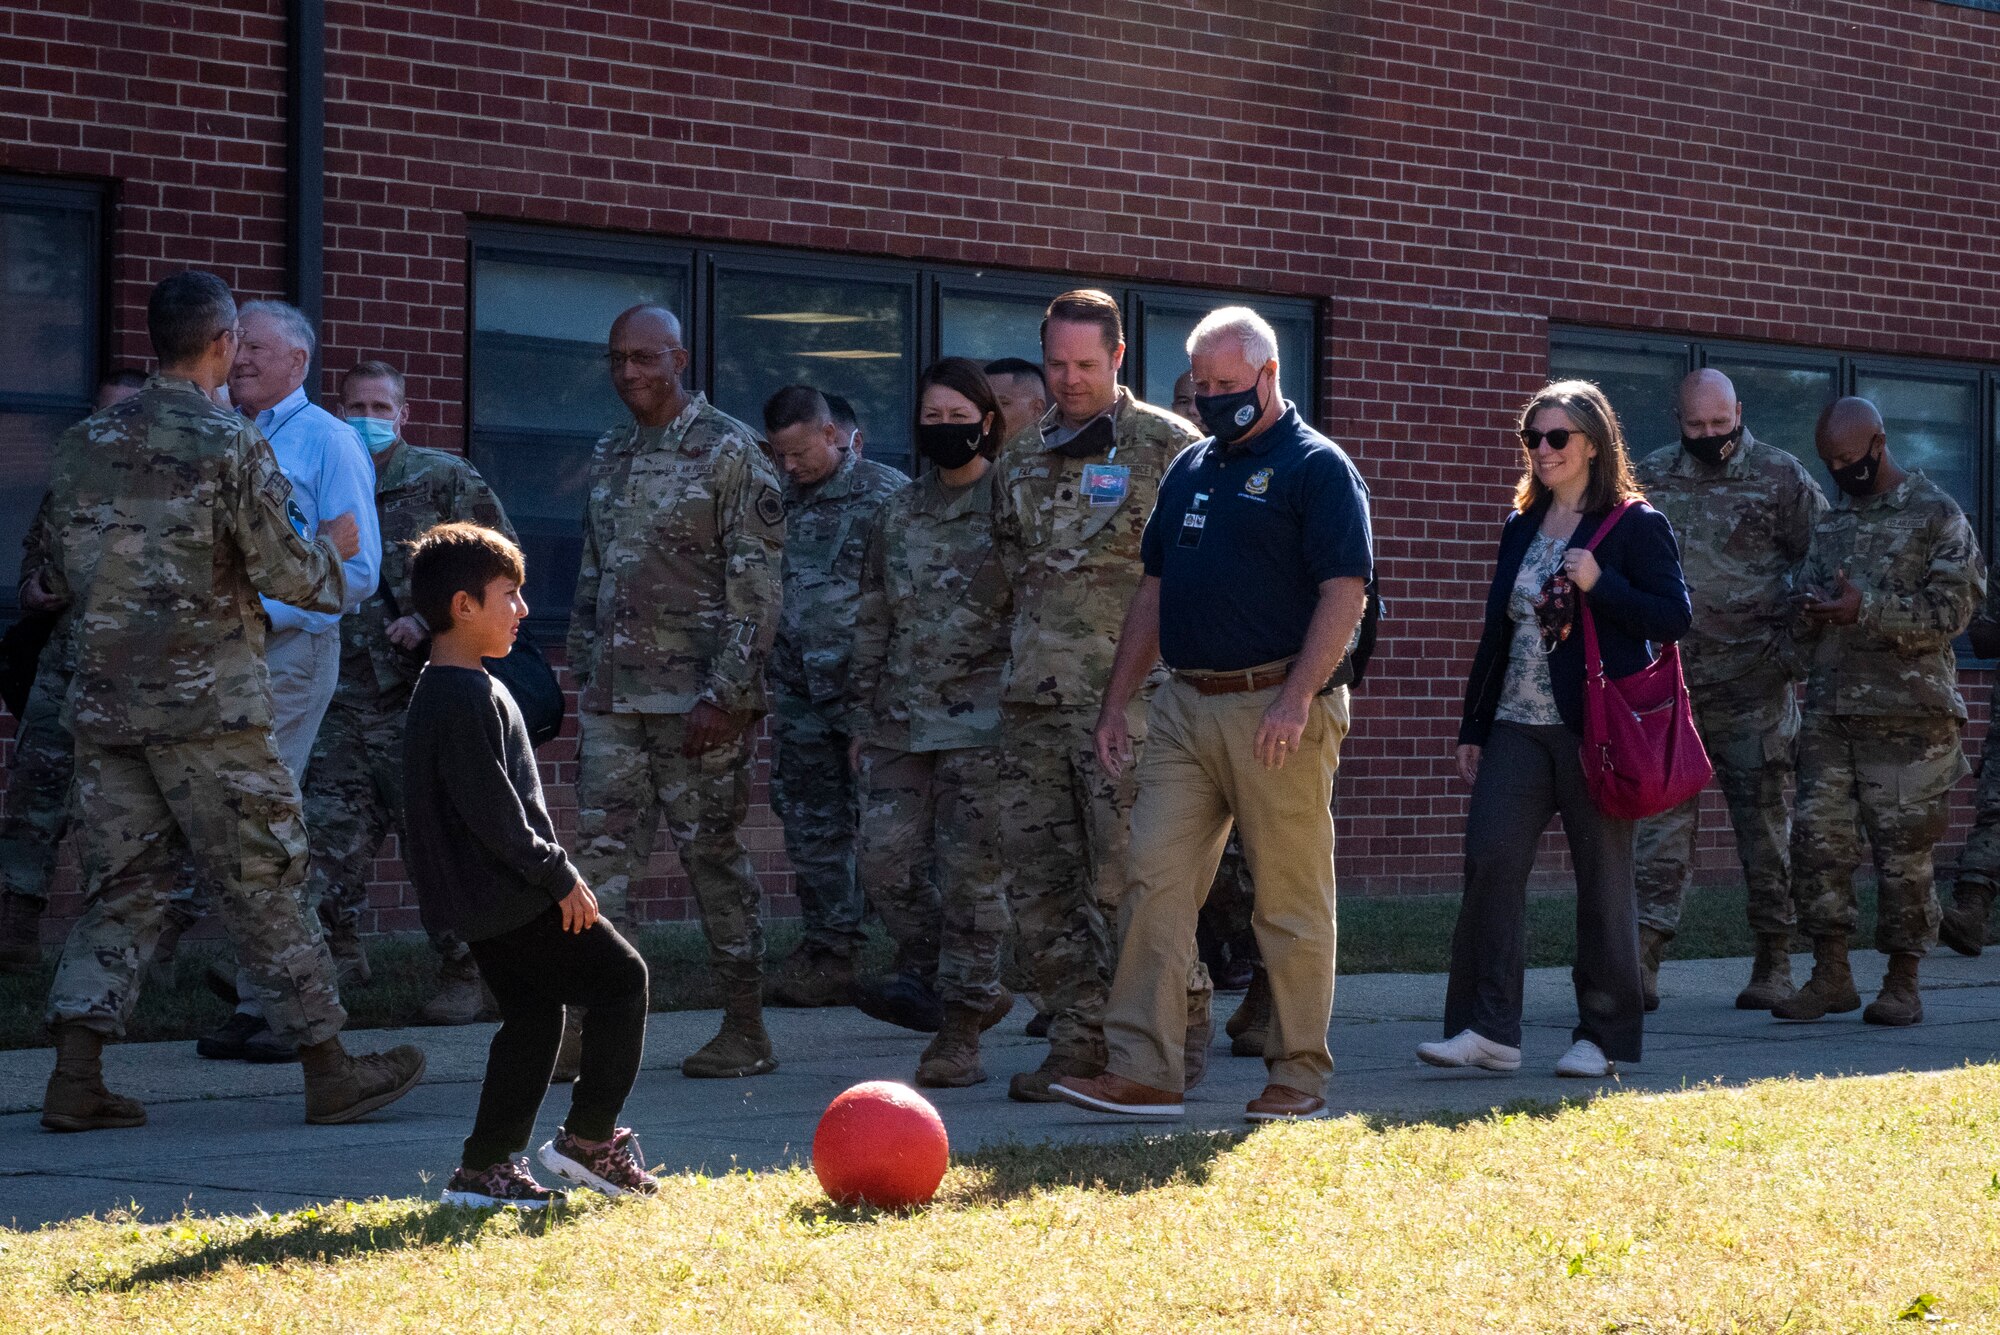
(1641, 753)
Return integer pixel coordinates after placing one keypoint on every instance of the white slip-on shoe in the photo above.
(1585, 1061)
(1469, 1049)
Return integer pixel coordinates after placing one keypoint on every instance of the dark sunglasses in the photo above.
(1558, 439)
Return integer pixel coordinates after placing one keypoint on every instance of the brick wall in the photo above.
(1446, 177)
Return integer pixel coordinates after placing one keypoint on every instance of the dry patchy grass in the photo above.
(1784, 1207)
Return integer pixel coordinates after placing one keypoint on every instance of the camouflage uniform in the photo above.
(676, 603)
(1067, 525)
(1883, 712)
(1743, 526)
(44, 753)
(812, 788)
(354, 785)
(1979, 860)
(170, 516)
(930, 643)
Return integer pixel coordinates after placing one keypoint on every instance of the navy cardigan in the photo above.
(1640, 596)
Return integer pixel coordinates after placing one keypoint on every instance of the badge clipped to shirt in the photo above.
(1106, 484)
(1195, 521)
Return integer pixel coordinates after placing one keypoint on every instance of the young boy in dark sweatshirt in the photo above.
(483, 856)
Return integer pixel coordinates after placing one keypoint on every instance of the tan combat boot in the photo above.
(740, 1047)
(1770, 974)
(1247, 1027)
(1200, 1034)
(1898, 1003)
(1963, 926)
(20, 933)
(344, 1088)
(462, 997)
(1830, 990)
(1652, 945)
(77, 1099)
(810, 978)
(952, 1059)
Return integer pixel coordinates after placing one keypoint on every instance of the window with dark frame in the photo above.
(753, 319)
(51, 343)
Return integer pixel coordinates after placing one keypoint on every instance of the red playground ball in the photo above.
(882, 1143)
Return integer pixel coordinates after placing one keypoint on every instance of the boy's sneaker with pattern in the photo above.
(616, 1168)
(507, 1183)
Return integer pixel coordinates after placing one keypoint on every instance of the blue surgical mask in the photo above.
(375, 433)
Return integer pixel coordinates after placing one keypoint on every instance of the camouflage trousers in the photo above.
(1066, 833)
(629, 768)
(37, 791)
(930, 863)
(353, 799)
(1232, 898)
(1895, 776)
(813, 794)
(140, 810)
(1979, 860)
(1751, 730)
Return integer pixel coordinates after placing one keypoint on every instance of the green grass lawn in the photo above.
(1376, 936)
(1787, 1206)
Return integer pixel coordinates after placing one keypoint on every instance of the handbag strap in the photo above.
(1610, 522)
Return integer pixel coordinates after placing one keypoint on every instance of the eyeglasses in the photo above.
(1558, 439)
(644, 360)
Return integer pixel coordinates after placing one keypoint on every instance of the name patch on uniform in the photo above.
(1106, 484)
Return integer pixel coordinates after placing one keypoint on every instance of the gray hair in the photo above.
(1251, 330)
(290, 320)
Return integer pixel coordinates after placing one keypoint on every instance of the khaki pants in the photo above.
(1199, 772)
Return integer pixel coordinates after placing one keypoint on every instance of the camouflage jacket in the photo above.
(678, 594)
(169, 517)
(58, 656)
(825, 528)
(1068, 532)
(418, 489)
(1912, 555)
(934, 622)
(1743, 527)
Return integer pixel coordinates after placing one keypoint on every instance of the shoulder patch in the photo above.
(770, 506)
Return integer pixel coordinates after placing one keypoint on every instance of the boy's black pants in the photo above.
(534, 971)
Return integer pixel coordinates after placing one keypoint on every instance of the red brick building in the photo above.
(1440, 204)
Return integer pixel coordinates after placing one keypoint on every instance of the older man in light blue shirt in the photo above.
(330, 474)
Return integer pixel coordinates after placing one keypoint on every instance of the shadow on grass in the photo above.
(315, 1236)
(1007, 1171)
(1514, 1110)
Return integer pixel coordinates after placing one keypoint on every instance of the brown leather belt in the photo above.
(1259, 679)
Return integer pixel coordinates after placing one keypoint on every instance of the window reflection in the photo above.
(1166, 329)
(1931, 422)
(1782, 403)
(1640, 379)
(541, 397)
(47, 287)
(987, 327)
(844, 336)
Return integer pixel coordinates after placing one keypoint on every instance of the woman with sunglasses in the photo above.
(1523, 723)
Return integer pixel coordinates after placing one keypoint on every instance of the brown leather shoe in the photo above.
(1110, 1093)
(1282, 1103)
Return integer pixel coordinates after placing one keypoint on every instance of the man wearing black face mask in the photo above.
(1743, 512)
(1257, 557)
(1893, 578)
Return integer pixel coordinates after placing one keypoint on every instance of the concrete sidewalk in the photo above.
(229, 1138)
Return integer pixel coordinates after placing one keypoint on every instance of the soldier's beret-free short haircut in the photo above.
(843, 413)
(456, 558)
(375, 370)
(1018, 367)
(1087, 305)
(793, 405)
(185, 313)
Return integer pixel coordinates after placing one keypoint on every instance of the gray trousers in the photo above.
(1527, 775)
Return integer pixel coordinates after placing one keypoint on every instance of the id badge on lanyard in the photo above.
(1195, 521)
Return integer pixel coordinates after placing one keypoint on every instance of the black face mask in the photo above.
(949, 444)
(1228, 416)
(1858, 478)
(1713, 450)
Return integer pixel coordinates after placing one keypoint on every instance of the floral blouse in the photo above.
(1527, 696)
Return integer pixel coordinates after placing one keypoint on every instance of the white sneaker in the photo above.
(1469, 1049)
(1586, 1061)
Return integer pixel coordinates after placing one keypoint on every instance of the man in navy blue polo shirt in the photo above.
(1257, 559)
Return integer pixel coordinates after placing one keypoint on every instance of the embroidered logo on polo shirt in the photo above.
(1257, 483)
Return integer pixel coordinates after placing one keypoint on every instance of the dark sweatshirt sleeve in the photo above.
(479, 790)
